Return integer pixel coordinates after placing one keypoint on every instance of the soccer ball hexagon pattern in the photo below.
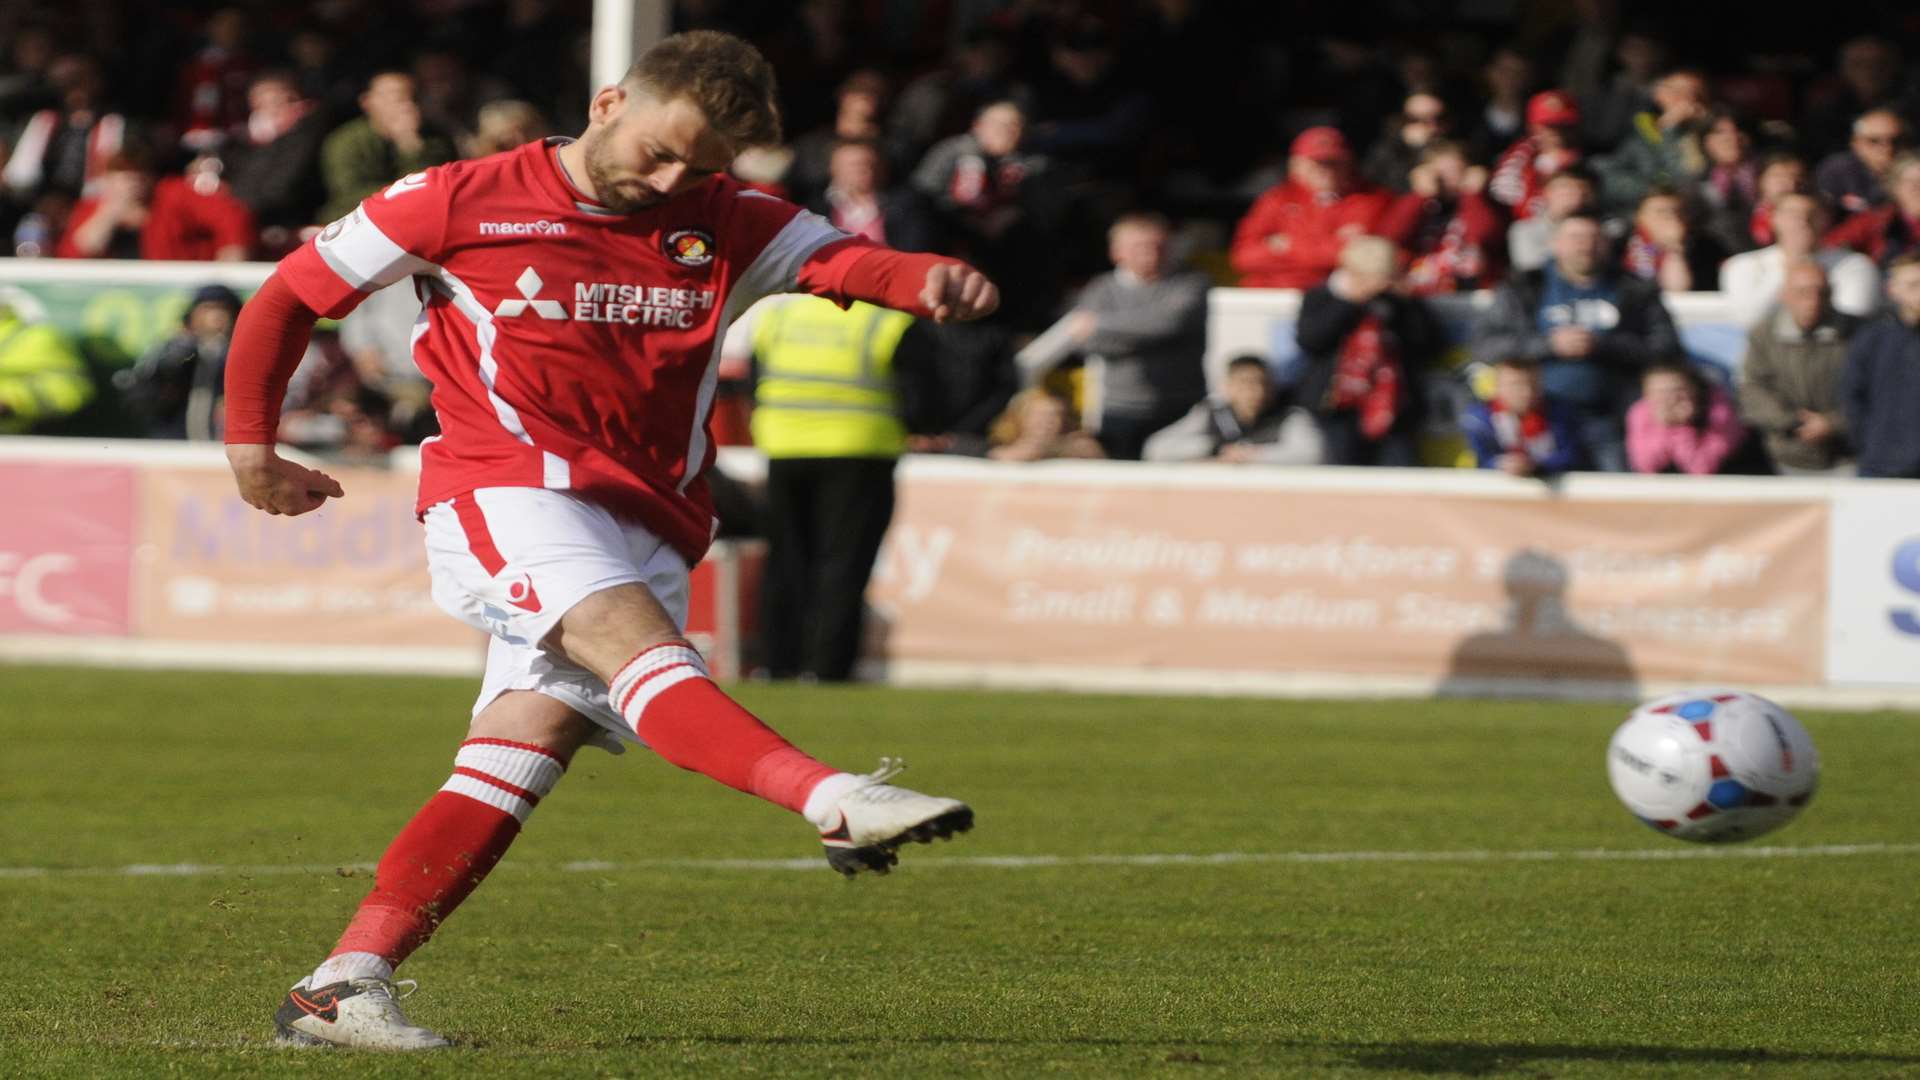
(1713, 765)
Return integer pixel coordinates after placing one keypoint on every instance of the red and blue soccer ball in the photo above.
(1713, 765)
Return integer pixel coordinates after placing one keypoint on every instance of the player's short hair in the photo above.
(722, 75)
(1249, 360)
(1518, 362)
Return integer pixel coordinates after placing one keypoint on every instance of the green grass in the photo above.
(1779, 967)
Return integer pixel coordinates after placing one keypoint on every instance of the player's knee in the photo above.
(534, 719)
(605, 630)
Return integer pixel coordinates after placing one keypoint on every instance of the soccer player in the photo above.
(575, 293)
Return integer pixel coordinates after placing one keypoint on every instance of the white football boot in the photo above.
(876, 817)
(359, 1013)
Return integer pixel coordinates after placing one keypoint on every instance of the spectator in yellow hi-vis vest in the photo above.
(828, 419)
(42, 377)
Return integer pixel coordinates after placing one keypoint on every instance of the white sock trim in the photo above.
(481, 791)
(512, 779)
(649, 675)
(822, 807)
(350, 965)
(531, 770)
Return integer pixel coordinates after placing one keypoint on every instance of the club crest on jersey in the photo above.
(689, 247)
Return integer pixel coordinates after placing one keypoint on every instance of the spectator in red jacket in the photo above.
(1883, 235)
(1446, 225)
(190, 217)
(1553, 120)
(1291, 238)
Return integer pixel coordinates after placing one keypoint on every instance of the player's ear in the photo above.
(608, 104)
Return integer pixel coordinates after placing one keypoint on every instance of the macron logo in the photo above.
(529, 284)
(543, 227)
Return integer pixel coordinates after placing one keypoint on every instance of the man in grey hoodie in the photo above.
(1144, 331)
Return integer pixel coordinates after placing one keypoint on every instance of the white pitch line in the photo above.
(1023, 862)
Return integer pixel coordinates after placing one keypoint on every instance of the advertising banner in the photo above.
(351, 573)
(66, 548)
(1875, 623)
(1443, 586)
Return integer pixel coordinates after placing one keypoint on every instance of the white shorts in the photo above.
(511, 561)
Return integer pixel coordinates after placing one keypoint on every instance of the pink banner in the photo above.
(351, 573)
(66, 548)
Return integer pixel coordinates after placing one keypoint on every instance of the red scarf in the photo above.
(1526, 433)
(1643, 257)
(1366, 377)
(1761, 224)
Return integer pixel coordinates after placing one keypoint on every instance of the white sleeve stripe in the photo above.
(780, 260)
(775, 270)
(365, 257)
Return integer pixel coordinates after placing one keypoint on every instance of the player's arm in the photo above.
(935, 287)
(389, 237)
(268, 341)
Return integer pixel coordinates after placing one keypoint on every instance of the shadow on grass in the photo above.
(1435, 1058)
(1480, 1059)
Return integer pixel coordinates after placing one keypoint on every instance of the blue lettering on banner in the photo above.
(1906, 572)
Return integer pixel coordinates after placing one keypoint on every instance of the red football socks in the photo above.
(450, 845)
(665, 694)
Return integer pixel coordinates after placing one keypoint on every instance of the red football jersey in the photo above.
(570, 347)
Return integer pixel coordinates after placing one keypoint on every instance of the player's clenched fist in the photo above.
(270, 482)
(956, 291)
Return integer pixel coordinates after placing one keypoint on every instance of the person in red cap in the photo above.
(1520, 175)
(1291, 238)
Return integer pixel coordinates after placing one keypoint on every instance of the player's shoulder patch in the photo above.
(754, 193)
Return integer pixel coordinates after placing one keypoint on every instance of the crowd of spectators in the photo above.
(1106, 163)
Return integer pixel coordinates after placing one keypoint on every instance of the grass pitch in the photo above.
(664, 960)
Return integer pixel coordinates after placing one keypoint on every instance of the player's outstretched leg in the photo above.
(659, 685)
(435, 862)
(665, 693)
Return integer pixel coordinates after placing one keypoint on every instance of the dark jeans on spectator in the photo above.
(1605, 438)
(1123, 437)
(825, 519)
(1346, 445)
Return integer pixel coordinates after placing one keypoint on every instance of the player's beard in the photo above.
(607, 187)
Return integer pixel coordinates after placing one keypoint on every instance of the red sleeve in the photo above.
(393, 234)
(1250, 254)
(1402, 218)
(268, 341)
(82, 211)
(1856, 233)
(231, 221)
(858, 269)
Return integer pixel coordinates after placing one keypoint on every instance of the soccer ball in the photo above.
(1713, 765)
